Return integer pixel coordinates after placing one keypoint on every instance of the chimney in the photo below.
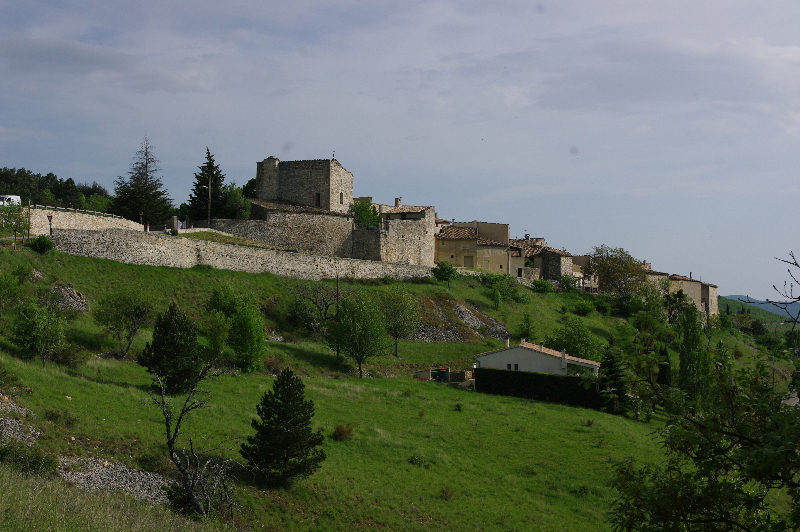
(398, 202)
(527, 236)
(564, 359)
(690, 276)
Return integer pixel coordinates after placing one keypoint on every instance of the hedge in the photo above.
(563, 389)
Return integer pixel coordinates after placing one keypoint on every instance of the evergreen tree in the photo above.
(173, 355)
(613, 381)
(198, 198)
(665, 372)
(142, 191)
(284, 447)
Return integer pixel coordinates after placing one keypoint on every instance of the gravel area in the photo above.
(85, 473)
(97, 473)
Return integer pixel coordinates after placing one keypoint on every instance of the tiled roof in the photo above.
(292, 206)
(458, 233)
(487, 242)
(675, 277)
(558, 252)
(544, 350)
(404, 208)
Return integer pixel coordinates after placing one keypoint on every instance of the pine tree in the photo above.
(284, 447)
(142, 190)
(173, 355)
(198, 198)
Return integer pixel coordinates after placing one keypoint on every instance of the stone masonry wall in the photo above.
(409, 241)
(76, 220)
(134, 247)
(321, 234)
(555, 265)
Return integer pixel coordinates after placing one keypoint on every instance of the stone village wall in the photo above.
(333, 234)
(76, 220)
(136, 247)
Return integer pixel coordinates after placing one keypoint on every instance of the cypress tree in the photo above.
(613, 379)
(284, 447)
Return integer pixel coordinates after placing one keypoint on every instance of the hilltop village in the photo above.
(307, 206)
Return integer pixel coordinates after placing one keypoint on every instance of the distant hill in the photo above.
(771, 312)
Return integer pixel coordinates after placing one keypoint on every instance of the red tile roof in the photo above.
(458, 233)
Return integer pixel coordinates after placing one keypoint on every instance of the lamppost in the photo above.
(141, 220)
(50, 221)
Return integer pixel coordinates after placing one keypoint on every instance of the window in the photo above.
(341, 198)
(501, 266)
(516, 367)
(509, 366)
(452, 256)
(319, 200)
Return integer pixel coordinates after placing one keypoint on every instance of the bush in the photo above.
(567, 283)
(541, 286)
(602, 304)
(59, 417)
(71, 356)
(342, 433)
(508, 287)
(41, 244)
(27, 459)
(584, 308)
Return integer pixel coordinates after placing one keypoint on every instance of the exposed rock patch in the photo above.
(71, 299)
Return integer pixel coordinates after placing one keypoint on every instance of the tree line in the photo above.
(139, 194)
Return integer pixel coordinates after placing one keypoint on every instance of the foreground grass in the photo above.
(35, 504)
(423, 455)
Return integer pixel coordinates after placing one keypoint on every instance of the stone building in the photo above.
(306, 206)
(464, 245)
(322, 183)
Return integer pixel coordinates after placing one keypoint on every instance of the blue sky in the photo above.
(669, 129)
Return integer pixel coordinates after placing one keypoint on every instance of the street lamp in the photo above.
(141, 220)
(50, 221)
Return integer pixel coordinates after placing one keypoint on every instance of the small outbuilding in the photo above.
(535, 358)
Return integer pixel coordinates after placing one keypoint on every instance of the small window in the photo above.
(501, 266)
(509, 366)
(516, 367)
(452, 256)
(319, 200)
(341, 198)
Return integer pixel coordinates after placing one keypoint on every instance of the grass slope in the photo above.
(417, 460)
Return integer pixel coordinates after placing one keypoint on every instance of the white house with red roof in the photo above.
(536, 358)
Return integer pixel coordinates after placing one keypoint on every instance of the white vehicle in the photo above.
(9, 200)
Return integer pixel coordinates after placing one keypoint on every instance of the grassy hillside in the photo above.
(423, 455)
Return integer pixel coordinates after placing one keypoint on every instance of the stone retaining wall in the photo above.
(76, 220)
(134, 247)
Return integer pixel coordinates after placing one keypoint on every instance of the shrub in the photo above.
(173, 353)
(71, 356)
(342, 433)
(446, 493)
(602, 304)
(584, 308)
(567, 283)
(27, 459)
(541, 286)
(417, 460)
(41, 244)
(59, 417)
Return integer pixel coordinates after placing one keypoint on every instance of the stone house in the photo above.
(704, 295)
(466, 247)
(536, 358)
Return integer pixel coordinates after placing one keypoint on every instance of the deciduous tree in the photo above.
(40, 331)
(284, 447)
(617, 272)
(358, 330)
(401, 313)
(122, 313)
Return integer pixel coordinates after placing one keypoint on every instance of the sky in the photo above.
(669, 129)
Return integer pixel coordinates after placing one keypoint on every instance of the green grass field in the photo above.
(423, 455)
